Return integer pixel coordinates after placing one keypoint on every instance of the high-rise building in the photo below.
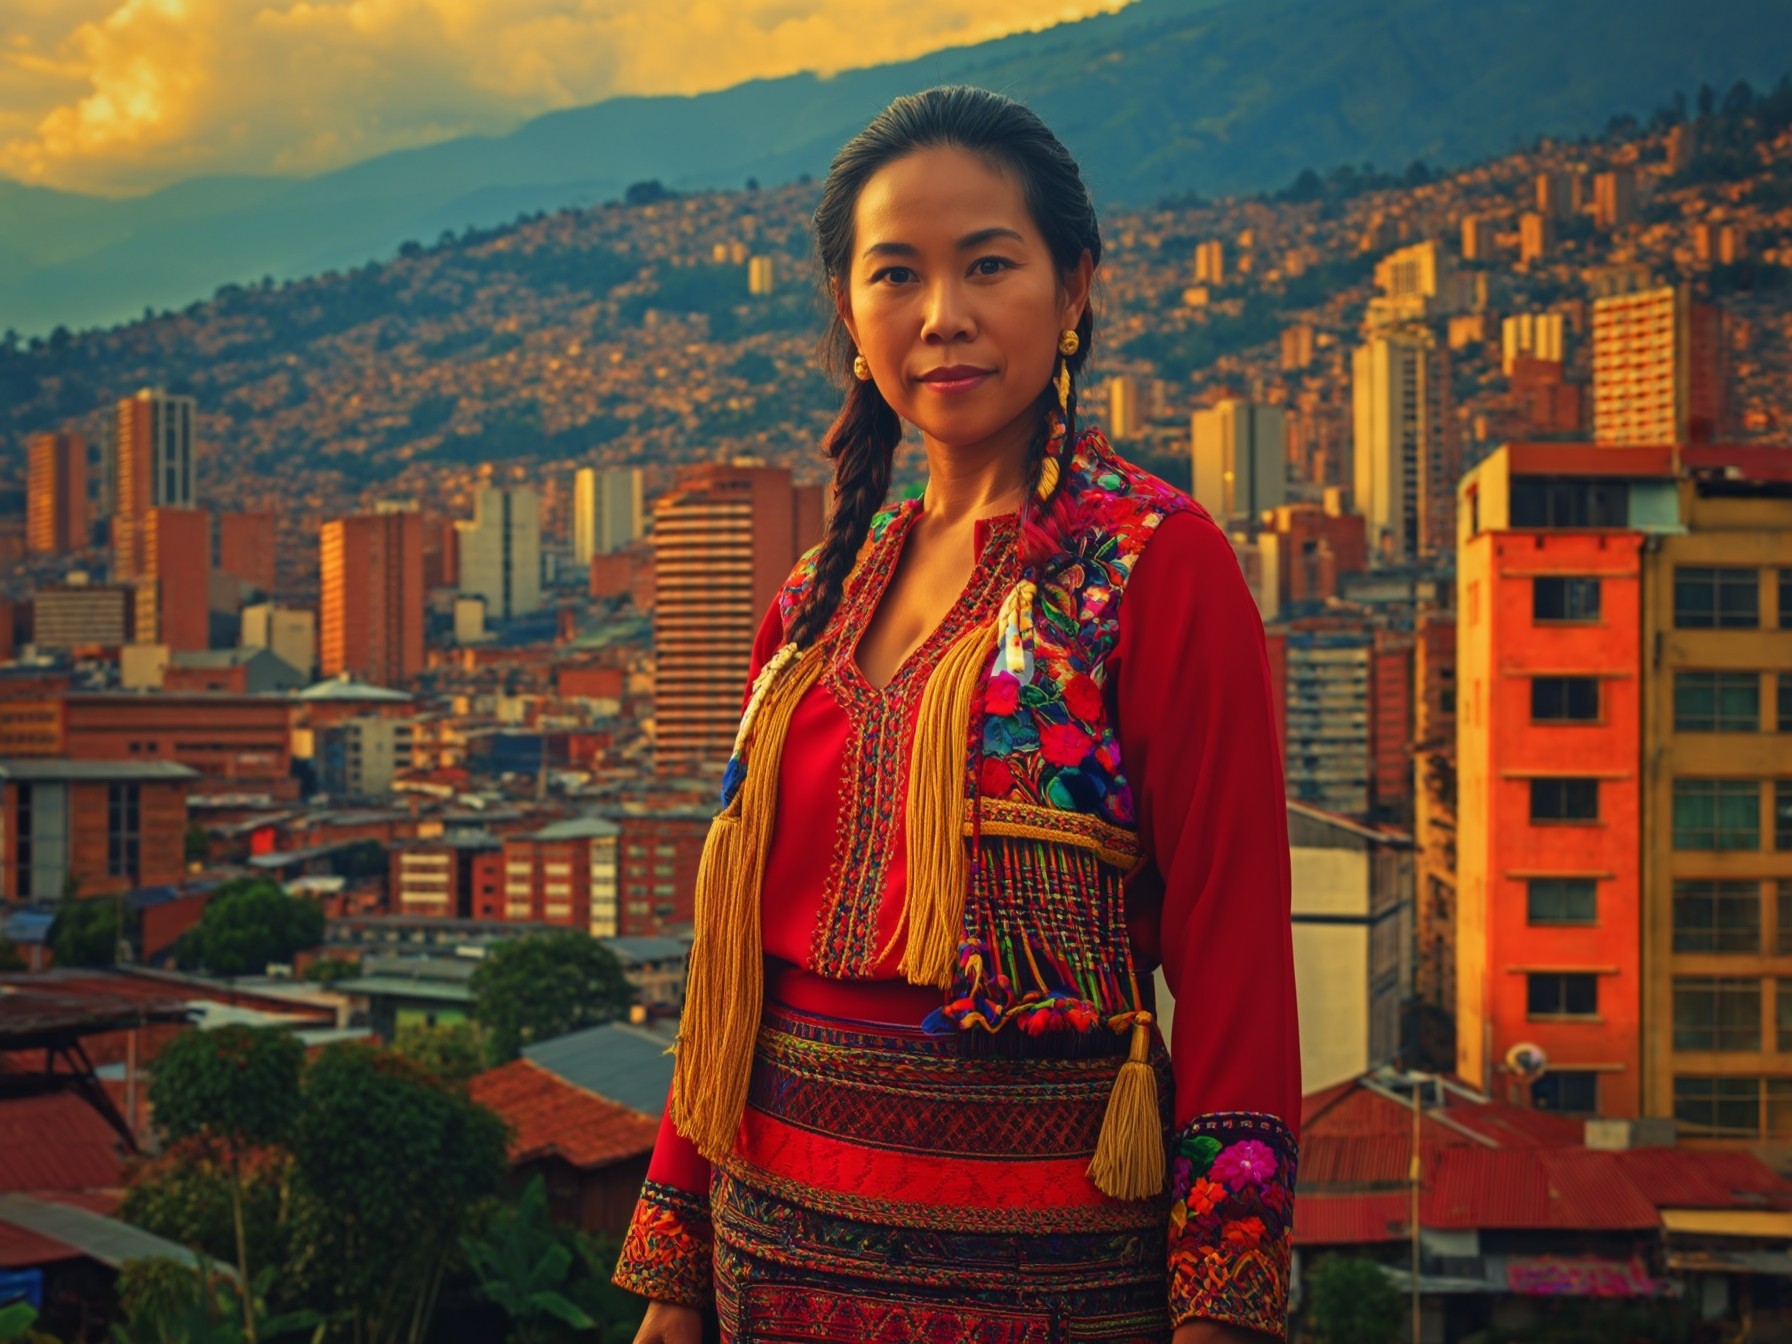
(1658, 368)
(1297, 347)
(1124, 411)
(500, 551)
(1240, 459)
(1210, 262)
(371, 590)
(149, 466)
(56, 494)
(83, 616)
(1347, 696)
(1559, 194)
(606, 511)
(173, 586)
(1477, 237)
(760, 280)
(1422, 282)
(1614, 198)
(1536, 236)
(1538, 335)
(1404, 444)
(724, 539)
(246, 549)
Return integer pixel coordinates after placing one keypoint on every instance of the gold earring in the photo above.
(1069, 342)
(860, 369)
(1062, 383)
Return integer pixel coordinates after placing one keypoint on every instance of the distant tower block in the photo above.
(1614, 198)
(1538, 335)
(759, 275)
(1210, 263)
(1297, 347)
(1536, 237)
(1123, 406)
(1477, 238)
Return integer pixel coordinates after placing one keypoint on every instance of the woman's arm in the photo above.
(1198, 743)
(667, 1250)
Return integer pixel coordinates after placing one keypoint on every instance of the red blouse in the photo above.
(1188, 689)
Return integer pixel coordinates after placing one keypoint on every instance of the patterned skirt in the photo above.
(887, 1187)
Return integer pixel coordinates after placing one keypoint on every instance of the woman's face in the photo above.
(953, 298)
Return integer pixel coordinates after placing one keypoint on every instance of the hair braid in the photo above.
(862, 442)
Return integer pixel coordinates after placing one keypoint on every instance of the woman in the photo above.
(1006, 748)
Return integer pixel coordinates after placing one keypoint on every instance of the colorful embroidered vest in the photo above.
(1021, 824)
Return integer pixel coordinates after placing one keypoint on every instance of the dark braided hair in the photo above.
(862, 440)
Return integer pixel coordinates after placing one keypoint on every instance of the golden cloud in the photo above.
(124, 95)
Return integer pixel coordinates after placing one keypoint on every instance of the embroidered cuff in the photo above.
(666, 1253)
(1232, 1220)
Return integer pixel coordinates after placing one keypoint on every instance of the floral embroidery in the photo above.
(1232, 1220)
(668, 1248)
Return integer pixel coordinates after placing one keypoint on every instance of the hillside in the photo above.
(1163, 98)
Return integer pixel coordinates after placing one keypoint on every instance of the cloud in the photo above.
(117, 96)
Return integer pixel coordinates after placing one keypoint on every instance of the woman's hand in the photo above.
(668, 1323)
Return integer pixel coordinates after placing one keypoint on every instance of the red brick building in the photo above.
(90, 828)
(659, 854)
(564, 874)
(56, 494)
(236, 743)
(174, 589)
(447, 876)
(246, 548)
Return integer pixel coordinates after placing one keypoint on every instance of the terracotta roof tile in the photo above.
(56, 1141)
(548, 1115)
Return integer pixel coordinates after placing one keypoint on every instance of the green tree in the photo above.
(1353, 1302)
(85, 932)
(546, 985)
(391, 1164)
(247, 924)
(523, 1265)
(328, 970)
(10, 960)
(452, 1052)
(235, 1089)
(168, 1302)
(198, 844)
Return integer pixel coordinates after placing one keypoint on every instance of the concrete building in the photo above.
(1614, 198)
(1658, 368)
(86, 828)
(446, 876)
(173, 582)
(56, 494)
(724, 539)
(1305, 552)
(1536, 237)
(245, 550)
(289, 632)
(359, 757)
(371, 597)
(1210, 262)
(1346, 695)
(760, 277)
(1538, 335)
(1352, 914)
(564, 874)
(1126, 414)
(149, 465)
(1478, 233)
(606, 511)
(234, 671)
(1404, 445)
(1240, 453)
(1421, 283)
(500, 551)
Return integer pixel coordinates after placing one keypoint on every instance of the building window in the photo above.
(1713, 1013)
(124, 841)
(1717, 814)
(1567, 1091)
(1786, 599)
(1717, 702)
(1782, 814)
(1564, 699)
(1561, 900)
(1717, 917)
(1782, 1016)
(1715, 1106)
(1714, 598)
(1561, 994)
(1562, 598)
(1563, 501)
(1784, 719)
(1564, 800)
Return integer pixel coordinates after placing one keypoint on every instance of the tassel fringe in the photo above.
(1129, 1154)
(725, 991)
(939, 865)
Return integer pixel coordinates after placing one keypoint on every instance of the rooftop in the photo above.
(55, 771)
(345, 687)
(620, 1062)
(551, 1117)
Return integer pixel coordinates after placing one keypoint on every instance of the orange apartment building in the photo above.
(150, 466)
(1548, 948)
(56, 494)
(90, 828)
(371, 591)
(246, 549)
(174, 584)
(1624, 834)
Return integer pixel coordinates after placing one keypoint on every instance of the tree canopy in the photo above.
(545, 985)
(247, 924)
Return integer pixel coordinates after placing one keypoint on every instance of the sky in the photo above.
(117, 97)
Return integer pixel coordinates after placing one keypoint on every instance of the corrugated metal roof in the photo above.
(57, 1141)
(24, 1249)
(94, 1235)
(49, 770)
(1349, 1220)
(622, 1062)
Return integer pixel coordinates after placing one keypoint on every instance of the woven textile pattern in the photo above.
(1232, 1220)
(666, 1254)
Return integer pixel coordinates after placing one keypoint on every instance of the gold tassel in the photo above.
(1129, 1154)
(939, 866)
(725, 987)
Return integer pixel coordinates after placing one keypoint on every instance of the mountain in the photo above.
(1164, 97)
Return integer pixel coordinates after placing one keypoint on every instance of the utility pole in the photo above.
(1413, 1173)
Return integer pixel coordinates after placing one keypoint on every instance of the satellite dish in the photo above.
(1526, 1060)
